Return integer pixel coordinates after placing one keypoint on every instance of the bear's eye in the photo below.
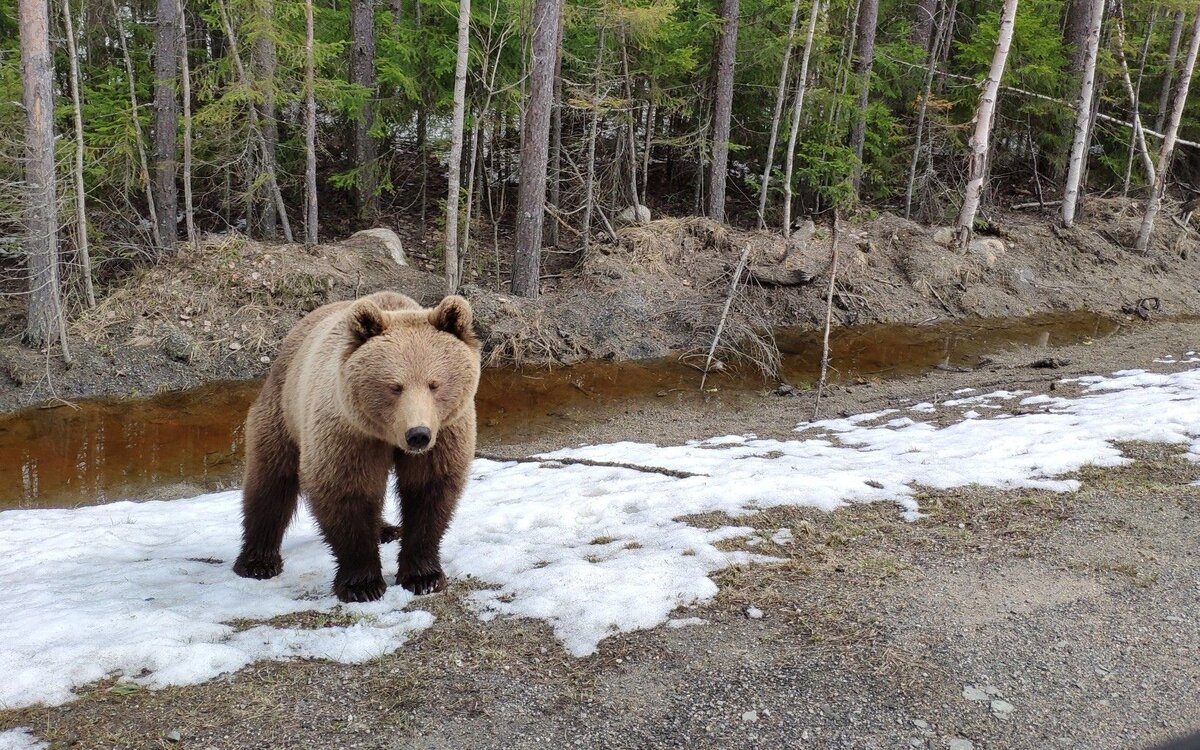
(433, 385)
(397, 388)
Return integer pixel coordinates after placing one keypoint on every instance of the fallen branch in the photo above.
(779, 276)
(588, 462)
(737, 275)
(828, 318)
(1035, 204)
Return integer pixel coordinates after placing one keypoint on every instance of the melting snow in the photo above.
(144, 591)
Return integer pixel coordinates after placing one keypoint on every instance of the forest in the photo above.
(507, 130)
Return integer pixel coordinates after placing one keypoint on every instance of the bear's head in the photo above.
(407, 374)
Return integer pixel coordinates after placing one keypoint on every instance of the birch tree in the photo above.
(978, 144)
(1083, 116)
(44, 320)
(264, 73)
(185, 73)
(797, 107)
(723, 108)
(780, 93)
(1164, 95)
(81, 221)
(1154, 202)
(535, 143)
(456, 145)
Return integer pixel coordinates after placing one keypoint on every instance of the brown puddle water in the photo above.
(185, 442)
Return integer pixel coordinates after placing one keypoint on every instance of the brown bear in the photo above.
(359, 389)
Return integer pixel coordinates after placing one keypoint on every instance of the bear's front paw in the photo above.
(422, 583)
(259, 565)
(359, 586)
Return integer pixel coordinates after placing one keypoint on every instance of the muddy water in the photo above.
(183, 443)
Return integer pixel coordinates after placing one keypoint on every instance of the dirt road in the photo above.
(1000, 620)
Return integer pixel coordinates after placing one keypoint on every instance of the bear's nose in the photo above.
(417, 438)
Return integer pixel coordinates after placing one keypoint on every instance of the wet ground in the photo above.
(104, 450)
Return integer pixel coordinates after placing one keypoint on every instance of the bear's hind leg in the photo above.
(269, 497)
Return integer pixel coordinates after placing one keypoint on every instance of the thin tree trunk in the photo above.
(473, 169)
(965, 227)
(632, 134)
(1076, 36)
(649, 143)
(797, 106)
(780, 94)
(922, 29)
(311, 224)
(1139, 136)
(362, 73)
(81, 222)
(166, 122)
(589, 188)
(456, 145)
(555, 175)
(265, 60)
(45, 315)
(137, 129)
(1154, 202)
(531, 194)
(189, 211)
(1084, 113)
(1164, 95)
(255, 125)
(927, 90)
(868, 17)
(723, 109)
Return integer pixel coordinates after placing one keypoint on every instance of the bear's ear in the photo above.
(365, 321)
(453, 315)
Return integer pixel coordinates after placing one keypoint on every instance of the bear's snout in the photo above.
(417, 438)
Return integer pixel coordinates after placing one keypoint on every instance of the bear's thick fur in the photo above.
(359, 389)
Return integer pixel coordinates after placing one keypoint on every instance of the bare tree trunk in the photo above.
(965, 226)
(166, 122)
(310, 130)
(137, 128)
(264, 65)
(362, 73)
(922, 28)
(649, 143)
(1154, 202)
(44, 319)
(1139, 137)
(723, 109)
(1169, 74)
(927, 90)
(1076, 36)
(864, 61)
(797, 106)
(456, 145)
(631, 121)
(556, 108)
(81, 222)
(531, 194)
(255, 125)
(780, 94)
(1084, 113)
(189, 211)
(397, 7)
(590, 186)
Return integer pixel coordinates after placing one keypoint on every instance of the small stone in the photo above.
(917, 742)
(1000, 707)
(972, 693)
(991, 690)
(174, 736)
(750, 717)
(920, 724)
(234, 346)
(943, 235)
(178, 345)
(958, 743)
(265, 360)
(754, 613)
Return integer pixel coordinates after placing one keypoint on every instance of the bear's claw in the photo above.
(258, 565)
(423, 583)
(389, 533)
(362, 586)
